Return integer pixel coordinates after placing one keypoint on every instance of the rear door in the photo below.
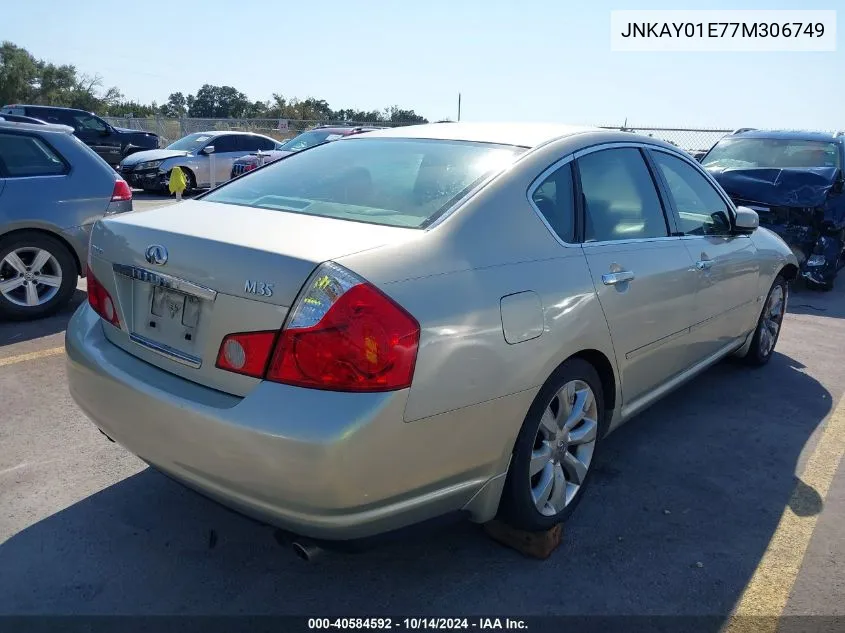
(727, 267)
(227, 149)
(641, 273)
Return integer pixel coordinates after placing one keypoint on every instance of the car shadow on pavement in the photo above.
(12, 332)
(683, 503)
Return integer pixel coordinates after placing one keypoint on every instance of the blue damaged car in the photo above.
(794, 180)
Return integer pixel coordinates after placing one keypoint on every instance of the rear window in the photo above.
(396, 182)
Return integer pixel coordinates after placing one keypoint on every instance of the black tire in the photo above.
(757, 356)
(517, 506)
(68, 269)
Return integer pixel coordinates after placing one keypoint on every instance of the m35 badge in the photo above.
(260, 288)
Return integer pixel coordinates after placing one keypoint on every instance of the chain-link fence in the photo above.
(687, 138)
(690, 139)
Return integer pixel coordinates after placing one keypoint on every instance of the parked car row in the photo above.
(502, 295)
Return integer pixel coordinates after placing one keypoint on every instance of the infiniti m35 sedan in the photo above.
(418, 321)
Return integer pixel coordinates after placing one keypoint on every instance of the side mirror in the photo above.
(699, 155)
(106, 132)
(208, 149)
(747, 221)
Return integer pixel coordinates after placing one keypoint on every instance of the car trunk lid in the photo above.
(185, 276)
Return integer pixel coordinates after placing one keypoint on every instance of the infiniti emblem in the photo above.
(156, 254)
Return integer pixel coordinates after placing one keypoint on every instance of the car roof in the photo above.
(798, 135)
(36, 127)
(521, 134)
(44, 107)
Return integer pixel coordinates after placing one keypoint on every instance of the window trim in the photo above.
(668, 218)
(712, 181)
(4, 173)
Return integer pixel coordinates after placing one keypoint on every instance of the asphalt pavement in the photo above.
(727, 495)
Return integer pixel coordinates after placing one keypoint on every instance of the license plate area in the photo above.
(167, 313)
(166, 317)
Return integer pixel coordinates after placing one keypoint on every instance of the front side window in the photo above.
(619, 197)
(227, 143)
(776, 153)
(554, 198)
(701, 210)
(88, 122)
(28, 156)
(390, 181)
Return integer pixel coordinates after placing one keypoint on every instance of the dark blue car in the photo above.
(794, 180)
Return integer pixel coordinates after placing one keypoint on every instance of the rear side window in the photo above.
(619, 197)
(392, 181)
(28, 156)
(701, 210)
(554, 198)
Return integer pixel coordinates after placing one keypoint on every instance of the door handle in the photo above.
(610, 279)
(704, 264)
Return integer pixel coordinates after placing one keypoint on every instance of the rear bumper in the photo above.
(326, 465)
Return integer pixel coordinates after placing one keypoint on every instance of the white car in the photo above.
(150, 170)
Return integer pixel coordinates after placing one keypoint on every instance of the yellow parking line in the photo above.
(769, 588)
(20, 358)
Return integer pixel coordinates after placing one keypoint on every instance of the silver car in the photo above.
(418, 321)
(53, 188)
(195, 154)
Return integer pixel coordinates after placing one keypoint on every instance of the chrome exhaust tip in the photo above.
(306, 551)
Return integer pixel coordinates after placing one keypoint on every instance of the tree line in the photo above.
(25, 79)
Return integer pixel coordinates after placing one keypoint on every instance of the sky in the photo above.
(526, 60)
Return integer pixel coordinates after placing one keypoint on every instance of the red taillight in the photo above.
(246, 353)
(121, 191)
(101, 301)
(343, 335)
(249, 167)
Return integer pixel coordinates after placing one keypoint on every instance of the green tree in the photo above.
(218, 102)
(18, 74)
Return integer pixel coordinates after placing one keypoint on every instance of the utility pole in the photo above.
(459, 106)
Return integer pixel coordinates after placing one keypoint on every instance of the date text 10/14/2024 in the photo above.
(418, 623)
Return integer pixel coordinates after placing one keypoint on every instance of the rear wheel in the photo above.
(37, 275)
(551, 460)
(769, 324)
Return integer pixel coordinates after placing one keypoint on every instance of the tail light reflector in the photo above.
(246, 353)
(343, 335)
(100, 300)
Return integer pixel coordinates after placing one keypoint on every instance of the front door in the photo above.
(641, 274)
(98, 135)
(726, 266)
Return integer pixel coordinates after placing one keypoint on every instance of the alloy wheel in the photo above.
(771, 320)
(563, 447)
(30, 276)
